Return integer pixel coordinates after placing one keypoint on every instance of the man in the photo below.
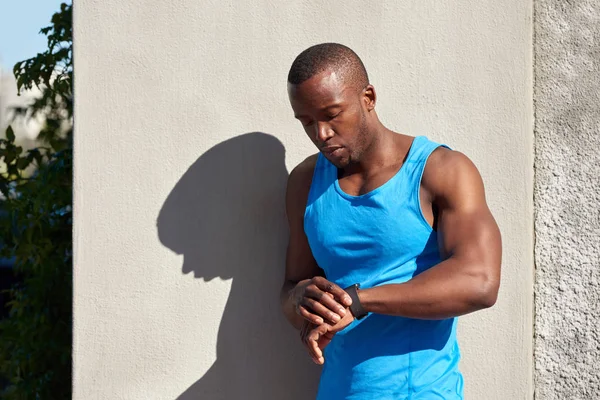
(390, 240)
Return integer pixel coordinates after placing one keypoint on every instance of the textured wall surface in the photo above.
(567, 199)
(184, 142)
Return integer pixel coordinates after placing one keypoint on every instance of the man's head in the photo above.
(330, 94)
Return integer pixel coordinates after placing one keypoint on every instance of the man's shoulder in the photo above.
(300, 180)
(308, 163)
(445, 169)
(303, 172)
(443, 157)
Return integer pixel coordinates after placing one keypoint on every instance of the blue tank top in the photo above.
(378, 238)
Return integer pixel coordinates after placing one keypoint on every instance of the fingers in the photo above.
(304, 332)
(316, 353)
(312, 343)
(315, 319)
(316, 338)
(325, 339)
(320, 301)
(330, 287)
(321, 311)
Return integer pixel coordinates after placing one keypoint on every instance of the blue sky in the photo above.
(20, 23)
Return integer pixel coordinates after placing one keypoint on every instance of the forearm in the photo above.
(444, 291)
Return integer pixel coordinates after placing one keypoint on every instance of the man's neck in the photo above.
(383, 151)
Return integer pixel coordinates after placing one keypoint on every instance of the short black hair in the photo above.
(335, 56)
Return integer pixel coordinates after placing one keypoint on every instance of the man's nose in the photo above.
(323, 133)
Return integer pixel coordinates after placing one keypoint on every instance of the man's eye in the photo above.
(334, 116)
(306, 123)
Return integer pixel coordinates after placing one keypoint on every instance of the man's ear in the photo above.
(370, 97)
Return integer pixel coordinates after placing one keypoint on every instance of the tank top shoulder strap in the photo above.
(414, 166)
(419, 152)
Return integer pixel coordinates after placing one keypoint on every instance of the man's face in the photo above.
(333, 115)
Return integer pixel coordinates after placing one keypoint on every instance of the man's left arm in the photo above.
(469, 240)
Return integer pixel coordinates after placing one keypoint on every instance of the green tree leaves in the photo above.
(36, 226)
(10, 134)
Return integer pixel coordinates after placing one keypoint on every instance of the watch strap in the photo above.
(356, 307)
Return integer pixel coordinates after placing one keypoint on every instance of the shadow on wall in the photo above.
(226, 216)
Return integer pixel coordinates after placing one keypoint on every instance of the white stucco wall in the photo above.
(567, 198)
(179, 223)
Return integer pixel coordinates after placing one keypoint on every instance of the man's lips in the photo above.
(330, 149)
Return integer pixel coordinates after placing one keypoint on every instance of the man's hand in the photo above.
(318, 300)
(317, 337)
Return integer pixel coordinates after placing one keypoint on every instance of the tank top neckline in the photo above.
(379, 188)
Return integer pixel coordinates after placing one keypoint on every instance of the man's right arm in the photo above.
(306, 294)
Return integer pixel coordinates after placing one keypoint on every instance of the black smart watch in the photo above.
(356, 308)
